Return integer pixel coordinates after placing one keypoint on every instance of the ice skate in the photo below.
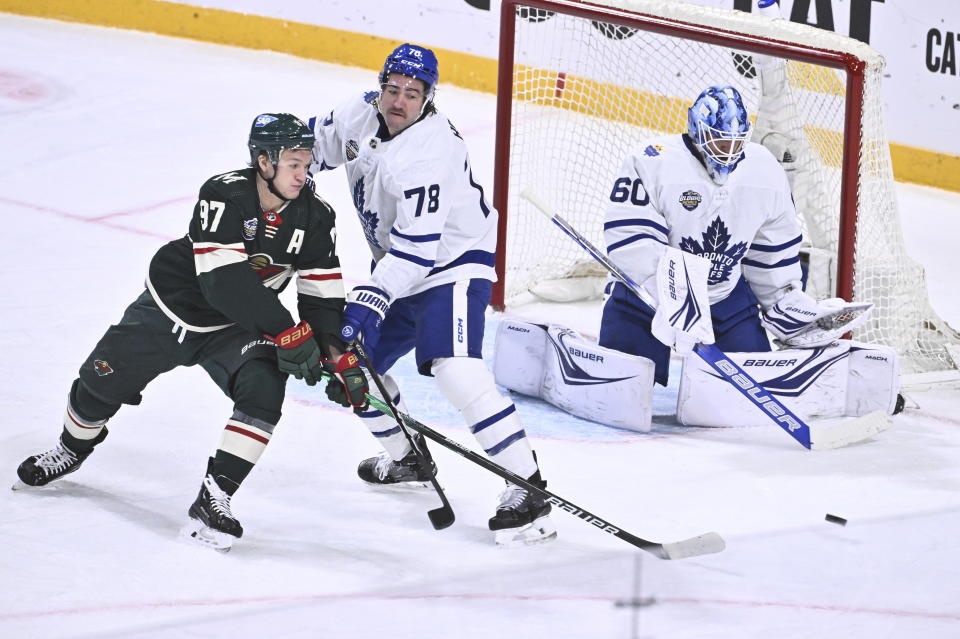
(40, 470)
(522, 517)
(383, 470)
(212, 524)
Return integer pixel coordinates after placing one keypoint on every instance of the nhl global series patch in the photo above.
(690, 200)
(351, 149)
(249, 229)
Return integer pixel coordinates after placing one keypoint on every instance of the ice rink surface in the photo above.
(107, 135)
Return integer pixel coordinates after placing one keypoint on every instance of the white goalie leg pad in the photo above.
(845, 379)
(597, 383)
(384, 427)
(519, 355)
(575, 374)
(469, 385)
(874, 381)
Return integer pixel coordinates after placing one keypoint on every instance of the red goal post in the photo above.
(582, 83)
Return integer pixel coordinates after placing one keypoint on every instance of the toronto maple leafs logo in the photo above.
(716, 240)
(368, 219)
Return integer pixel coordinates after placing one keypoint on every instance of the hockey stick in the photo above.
(442, 517)
(704, 544)
(849, 432)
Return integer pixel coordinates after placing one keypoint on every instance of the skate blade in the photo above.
(403, 486)
(540, 531)
(19, 485)
(198, 533)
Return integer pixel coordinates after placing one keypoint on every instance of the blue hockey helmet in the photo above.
(416, 62)
(719, 126)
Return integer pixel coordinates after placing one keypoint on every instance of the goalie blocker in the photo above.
(845, 379)
(575, 374)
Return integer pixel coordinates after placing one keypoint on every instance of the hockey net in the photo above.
(581, 84)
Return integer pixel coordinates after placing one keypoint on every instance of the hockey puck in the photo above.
(833, 519)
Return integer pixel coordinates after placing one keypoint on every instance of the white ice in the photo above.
(106, 136)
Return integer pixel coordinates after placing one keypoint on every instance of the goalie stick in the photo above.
(704, 544)
(848, 432)
(444, 516)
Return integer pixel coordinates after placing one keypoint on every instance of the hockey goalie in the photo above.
(705, 223)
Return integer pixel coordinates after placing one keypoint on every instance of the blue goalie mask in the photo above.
(416, 62)
(719, 127)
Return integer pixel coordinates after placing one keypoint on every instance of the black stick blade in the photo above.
(442, 517)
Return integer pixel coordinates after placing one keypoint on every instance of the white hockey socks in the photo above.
(80, 428)
(468, 384)
(384, 427)
(245, 437)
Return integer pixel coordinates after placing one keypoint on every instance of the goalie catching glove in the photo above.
(682, 319)
(800, 321)
(349, 385)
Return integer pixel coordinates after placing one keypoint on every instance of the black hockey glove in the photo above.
(298, 353)
(349, 385)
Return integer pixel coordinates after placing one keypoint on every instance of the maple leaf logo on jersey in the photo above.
(368, 219)
(653, 150)
(715, 248)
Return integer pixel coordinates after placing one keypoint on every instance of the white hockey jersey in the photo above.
(747, 227)
(426, 219)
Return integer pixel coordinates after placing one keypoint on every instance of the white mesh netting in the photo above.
(585, 91)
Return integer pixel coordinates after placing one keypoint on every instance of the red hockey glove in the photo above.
(298, 353)
(349, 385)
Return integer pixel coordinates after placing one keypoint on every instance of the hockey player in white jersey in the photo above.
(711, 192)
(433, 237)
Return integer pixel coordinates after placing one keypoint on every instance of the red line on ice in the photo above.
(80, 218)
(233, 601)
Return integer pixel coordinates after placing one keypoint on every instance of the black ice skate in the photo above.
(522, 516)
(212, 523)
(40, 470)
(383, 470)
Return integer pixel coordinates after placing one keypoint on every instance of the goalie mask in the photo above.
(719, 127)
(416, 62)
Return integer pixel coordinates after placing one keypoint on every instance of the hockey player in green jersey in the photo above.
(211, 299)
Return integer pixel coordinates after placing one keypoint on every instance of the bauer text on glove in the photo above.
(348, 387)
(800, 321)
(298, 353)
(682, 319)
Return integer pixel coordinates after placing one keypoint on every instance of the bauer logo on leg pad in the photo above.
(758, 396)
(847, 379)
